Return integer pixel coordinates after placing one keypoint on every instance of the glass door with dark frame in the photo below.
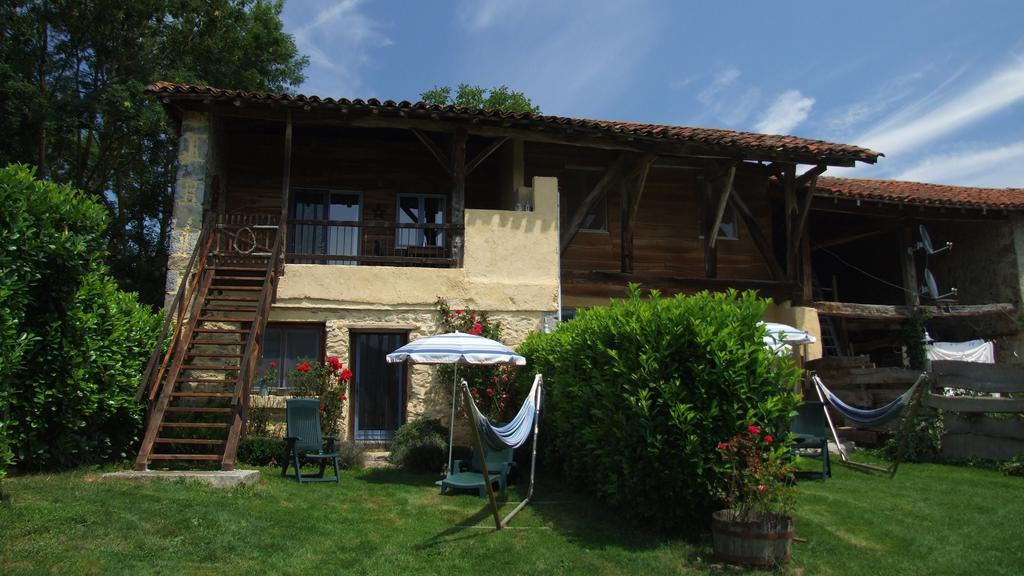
(378, 387)
(325, 223)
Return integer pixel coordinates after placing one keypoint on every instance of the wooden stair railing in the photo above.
(199, 394)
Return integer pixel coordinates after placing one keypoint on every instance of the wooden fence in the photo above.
(979, 426)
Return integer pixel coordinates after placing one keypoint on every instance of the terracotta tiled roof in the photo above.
(920, 194)
(761, 145)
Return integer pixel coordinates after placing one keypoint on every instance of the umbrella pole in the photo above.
(451, 424)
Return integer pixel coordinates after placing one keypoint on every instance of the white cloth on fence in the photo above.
(971, 351)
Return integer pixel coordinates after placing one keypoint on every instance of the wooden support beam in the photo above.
(709, 233)
(789, 197)
(286, 175)
(484, 154)
(889, 312)
(458, 172)
(613, 284)
(723, 201)
(809, 180)
(632, 191)
(435, 151)
(610, 177)
(758, 237)
(908, 267)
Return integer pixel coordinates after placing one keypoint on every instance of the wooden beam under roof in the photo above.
(902, 312)
(757, 236)
(610, 177)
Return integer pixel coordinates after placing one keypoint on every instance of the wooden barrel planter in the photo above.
(757, 540)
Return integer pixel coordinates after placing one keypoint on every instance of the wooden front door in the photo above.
(379, 389)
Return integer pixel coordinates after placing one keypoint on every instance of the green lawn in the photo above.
(930, 520)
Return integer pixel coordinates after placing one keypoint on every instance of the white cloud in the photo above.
(788, 111)
(338, 38)
(999, 167)
(727, 99)
(721, 82)
(885, 97)
(914, 128)
(482, 14)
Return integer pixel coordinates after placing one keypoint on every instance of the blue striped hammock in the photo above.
(517, 431)
(863, 416)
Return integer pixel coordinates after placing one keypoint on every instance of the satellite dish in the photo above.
(926, 242)
(931, 288)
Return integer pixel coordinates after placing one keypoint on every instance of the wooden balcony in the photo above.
(373, 243)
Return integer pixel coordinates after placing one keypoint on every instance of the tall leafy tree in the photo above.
(469, 96)
(71, 101)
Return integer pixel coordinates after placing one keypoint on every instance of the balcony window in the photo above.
(422, 210)
(327, 223)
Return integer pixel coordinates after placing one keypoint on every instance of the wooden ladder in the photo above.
(199, 415)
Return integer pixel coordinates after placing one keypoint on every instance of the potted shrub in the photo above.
(757, 485)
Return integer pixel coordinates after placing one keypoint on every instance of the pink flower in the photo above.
(754, 430)
(490, 391)
(304, 367)
(273, 364)
(473, 391)
(761, 489)
(768, 439)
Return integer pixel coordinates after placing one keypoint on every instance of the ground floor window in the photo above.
(288, 344)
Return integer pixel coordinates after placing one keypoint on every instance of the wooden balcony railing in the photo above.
(373, 243)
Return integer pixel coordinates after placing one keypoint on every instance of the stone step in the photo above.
(376, 459)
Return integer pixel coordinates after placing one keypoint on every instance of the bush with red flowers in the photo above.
(756, 479)
(491, 386)
(327, 381)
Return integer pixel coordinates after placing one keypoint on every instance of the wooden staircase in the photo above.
(199, 395)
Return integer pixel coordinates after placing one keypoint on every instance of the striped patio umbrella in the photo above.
(781, 337)
(455, 348)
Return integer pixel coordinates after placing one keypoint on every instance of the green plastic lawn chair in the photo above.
(467, 475)
(809, 427)
(306, 442)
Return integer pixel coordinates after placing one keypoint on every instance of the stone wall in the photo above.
(190, 188)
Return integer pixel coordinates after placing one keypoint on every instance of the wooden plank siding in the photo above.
(379, 163)
(667, 237)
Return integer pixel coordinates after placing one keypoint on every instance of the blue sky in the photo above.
(937, 86)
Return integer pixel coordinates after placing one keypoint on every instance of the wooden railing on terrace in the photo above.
(373, 243)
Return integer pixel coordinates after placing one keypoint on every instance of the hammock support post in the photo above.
(483, 461)
(914, 400)
(533, 459)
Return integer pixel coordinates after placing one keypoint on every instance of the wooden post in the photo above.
(710, 255)
(286, 173)
(482, 459)
(789, 194)
(632, 191)
(907, 266)
(723, 201)
(459, 189)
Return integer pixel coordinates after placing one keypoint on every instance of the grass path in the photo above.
(929, 520)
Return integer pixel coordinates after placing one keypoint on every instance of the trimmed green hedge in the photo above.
(72, 346)
(641, 392)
